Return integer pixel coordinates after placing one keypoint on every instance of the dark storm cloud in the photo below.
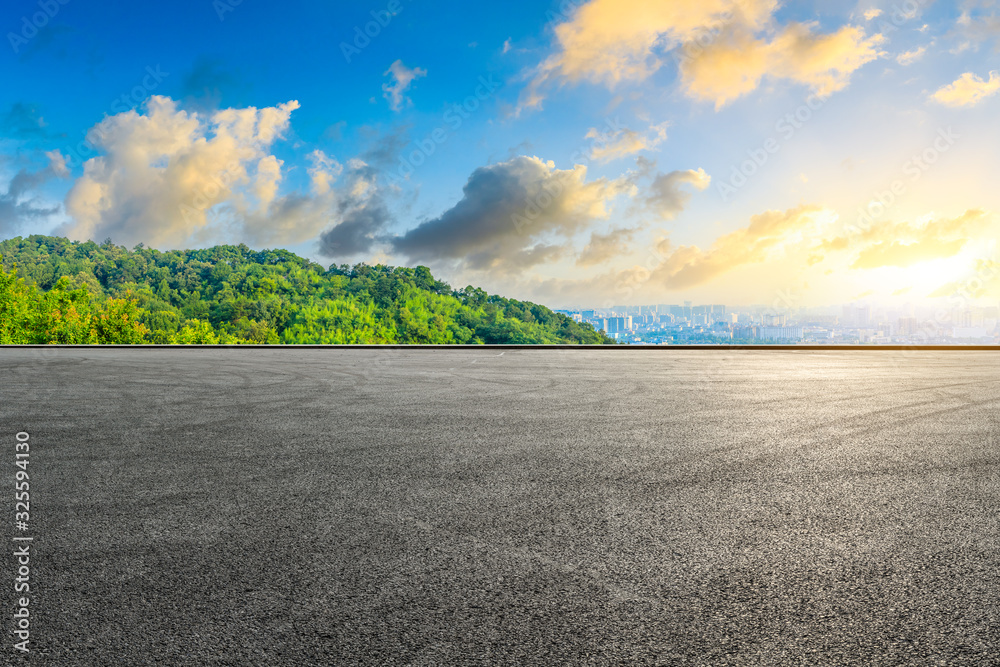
(358, 231)
(16, 205)
(385, 150)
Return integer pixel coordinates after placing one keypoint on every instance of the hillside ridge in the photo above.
(84, 292)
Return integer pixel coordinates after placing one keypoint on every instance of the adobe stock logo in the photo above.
(30, 25)
(786, 127)
(452, 120)
(223, 7)
(363, 36)
(139, 93)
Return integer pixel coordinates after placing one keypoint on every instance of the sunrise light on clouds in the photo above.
(583, 152)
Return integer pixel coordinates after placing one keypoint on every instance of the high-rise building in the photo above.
(780, 333)
(619, 324)
(863, 316)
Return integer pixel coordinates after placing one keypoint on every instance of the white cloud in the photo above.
(170, 178)
(402, 77)
(164, 170)
(910, 57)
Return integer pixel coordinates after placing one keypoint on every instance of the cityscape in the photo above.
(851, 324)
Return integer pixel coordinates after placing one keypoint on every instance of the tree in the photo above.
(60, 290)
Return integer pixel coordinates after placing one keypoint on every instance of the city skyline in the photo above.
(854, 323)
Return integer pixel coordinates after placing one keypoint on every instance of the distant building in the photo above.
(969, 333)
(619, 324)
(780, 333)
(907, 326)
(818, 334)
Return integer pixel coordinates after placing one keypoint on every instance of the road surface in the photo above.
(311, 507)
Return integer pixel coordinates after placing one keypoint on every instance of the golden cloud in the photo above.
(610, 42)
(769, 234)
(967, 90)
(898, 253)
(605, 247)
(733, 67)
(624, 142)
(614, 41)
(905, 244)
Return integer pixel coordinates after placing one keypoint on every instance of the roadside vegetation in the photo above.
(53, 290)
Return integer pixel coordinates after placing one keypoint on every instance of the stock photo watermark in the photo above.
(786, 127)
(789, 124)
(128, 100)
(32, 23)
(706, 36)
(562, 13)
(553, 188)
(452, 120)
(223, 7)
(364, 34)
(209, 191)
(22, 542)
(913, 169)
(900, 14)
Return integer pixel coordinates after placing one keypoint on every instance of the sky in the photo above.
(574, 153)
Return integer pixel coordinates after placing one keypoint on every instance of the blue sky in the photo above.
(570, 153)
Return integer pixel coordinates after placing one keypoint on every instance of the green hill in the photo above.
(71, 292)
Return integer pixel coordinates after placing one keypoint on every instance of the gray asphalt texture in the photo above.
(312, 507)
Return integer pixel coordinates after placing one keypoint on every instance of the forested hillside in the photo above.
(71, 292)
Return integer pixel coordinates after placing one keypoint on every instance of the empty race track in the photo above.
(297, 507)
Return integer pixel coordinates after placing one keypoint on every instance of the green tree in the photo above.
(85, 292)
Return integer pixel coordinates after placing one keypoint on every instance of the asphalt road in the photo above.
(313, 507)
